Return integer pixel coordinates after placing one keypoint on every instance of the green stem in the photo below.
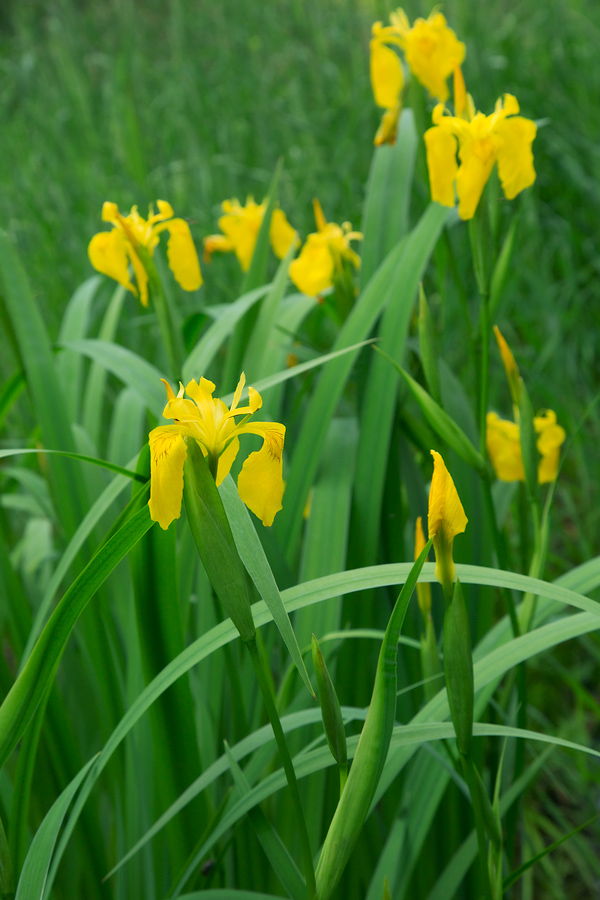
(171, 335)
(288, 766)
(468, 770)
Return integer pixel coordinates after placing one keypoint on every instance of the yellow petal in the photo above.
(510, 366)
(110, 211)
(446, 513)
(423, 589)
(141, 276)
(433, 52)
(216, 243)
(515, 157)
(387, 78)
(503, 444)
(460, 93)
(312, 271)
(260, 483)
(441, 163)
(477, 158)
(551, 437)
(181, 252)
(388, 127)
(167, 456)
(241, 225)
(108, 254)
(281, 233)
(226, 460)
(165, 209)
(320, 219)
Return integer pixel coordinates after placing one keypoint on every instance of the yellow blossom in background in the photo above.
(480, 140)
(387, 81)
(446, 518)
(432, 50)
(503, 443)
(213, 427)
(423, 588)
(322, 254)
(132, 236)
(240, 226)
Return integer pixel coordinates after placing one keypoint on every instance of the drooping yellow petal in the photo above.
(167, 456)
(281, 233)
(387, 78)
(312, 271)
(260, 483)
(477, 158)
(515, 157)
(503, 444)
(108, 254)
(441, 163)
(182, 255)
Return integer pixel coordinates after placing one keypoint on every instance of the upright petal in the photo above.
(260, 483)
(241, 225)
(281, 233)
(446, 513)
(167, 456)
(387, 78)
(515, 157)
(441, 162)
(182, 255)
(141, 276)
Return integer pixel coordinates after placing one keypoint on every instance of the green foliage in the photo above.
(133, 728)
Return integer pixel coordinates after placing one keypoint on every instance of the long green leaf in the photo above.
(253, 556)
(32, 883)
(130, 368)
(201, 357)
(22, 700)
(409, 255)
(318, 591)
(38, 363)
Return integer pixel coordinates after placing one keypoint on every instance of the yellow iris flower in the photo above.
(504, 446)
(240, 226)
(481, 141)
(132, 237)
(446, 518)
(213, 427)
(322, 254)
(432, 52)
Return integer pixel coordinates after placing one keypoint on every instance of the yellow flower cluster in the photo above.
(133, 237)
(240, 226)
(323, 254)
(432, 52)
